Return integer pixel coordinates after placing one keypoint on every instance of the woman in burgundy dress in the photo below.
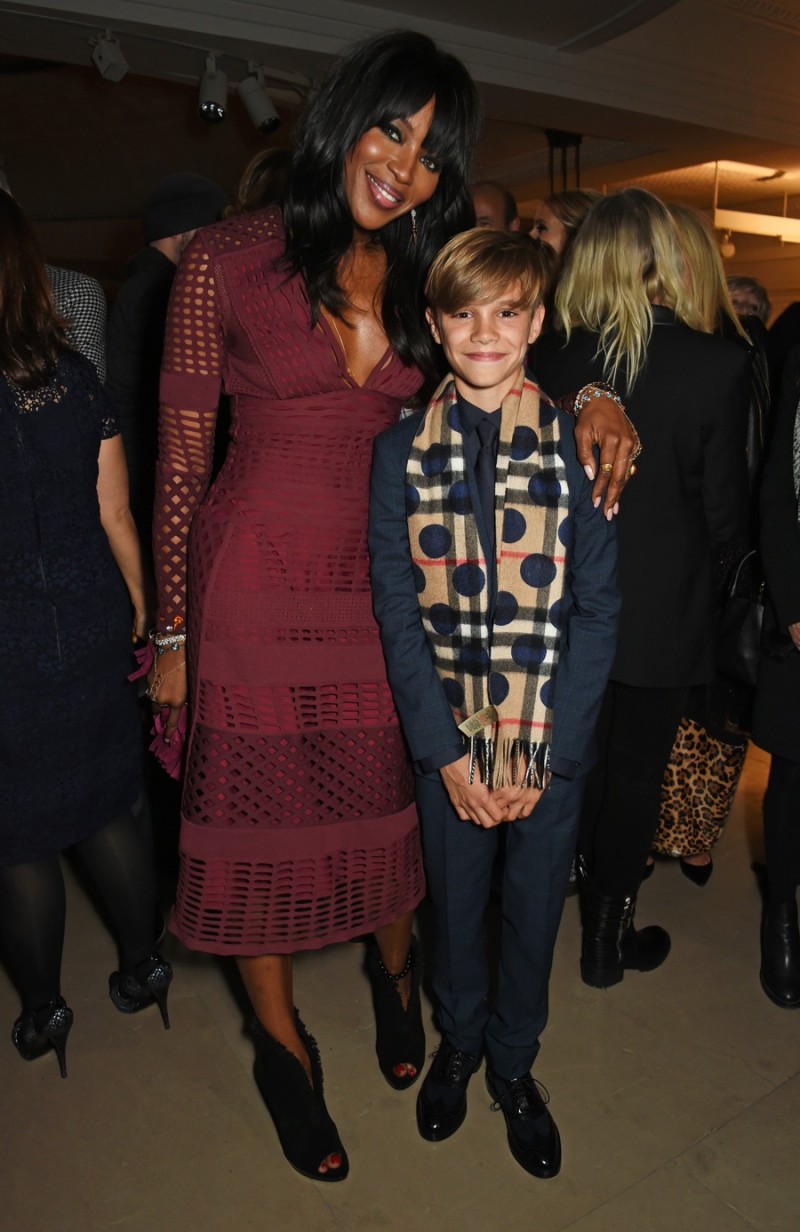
(298, 824)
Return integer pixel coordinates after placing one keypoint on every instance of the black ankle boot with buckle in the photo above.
(611, 945)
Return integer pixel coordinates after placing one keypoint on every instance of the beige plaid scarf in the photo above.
(498, 669)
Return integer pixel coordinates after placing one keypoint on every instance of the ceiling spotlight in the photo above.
(259, 105)
(213, 92)
(107, 55)
(727, 248)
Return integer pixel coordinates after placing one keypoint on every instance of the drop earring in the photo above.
(413, 226)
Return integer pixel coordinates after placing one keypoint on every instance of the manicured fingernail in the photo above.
(596, 502)
(589, 470)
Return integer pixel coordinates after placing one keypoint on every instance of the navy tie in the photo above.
(485, 471)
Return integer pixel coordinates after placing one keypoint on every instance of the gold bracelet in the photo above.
(152, 689)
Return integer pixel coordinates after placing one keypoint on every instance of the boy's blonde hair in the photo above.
(480, 265)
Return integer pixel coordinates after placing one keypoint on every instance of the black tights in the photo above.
(33, 907)
(635, 734)
(782, 829)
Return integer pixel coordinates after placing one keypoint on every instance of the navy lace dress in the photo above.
(70, 755)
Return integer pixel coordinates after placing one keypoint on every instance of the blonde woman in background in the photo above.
(617, 320)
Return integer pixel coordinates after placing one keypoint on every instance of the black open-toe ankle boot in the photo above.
(400, 1035)
(307, 1133)
(149, 982)
(37, 1031)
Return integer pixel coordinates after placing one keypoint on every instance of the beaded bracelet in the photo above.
(602, 389)
(596, 389)
(170, 639)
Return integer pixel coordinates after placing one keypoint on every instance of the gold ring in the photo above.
(607, 466)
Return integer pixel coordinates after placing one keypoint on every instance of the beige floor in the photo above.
(677, 1094)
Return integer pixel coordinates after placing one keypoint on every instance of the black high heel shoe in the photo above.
(307, 1133)
(148, 982)
(37, 1031)
(699, 874)
(400, 1038)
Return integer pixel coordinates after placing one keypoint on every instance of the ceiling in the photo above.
(657, 90)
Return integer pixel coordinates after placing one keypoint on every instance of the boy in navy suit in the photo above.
(495, 588)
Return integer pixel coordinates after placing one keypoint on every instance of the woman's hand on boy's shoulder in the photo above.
(604, 424)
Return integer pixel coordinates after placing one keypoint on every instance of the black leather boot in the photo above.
(780, 954)
(611, 945)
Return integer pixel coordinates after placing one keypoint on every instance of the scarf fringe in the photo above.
(512, 763)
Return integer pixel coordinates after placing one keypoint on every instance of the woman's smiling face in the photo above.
(388, 172)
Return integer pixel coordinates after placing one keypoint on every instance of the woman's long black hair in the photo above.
(385, 78)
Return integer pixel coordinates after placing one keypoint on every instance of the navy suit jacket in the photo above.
(590, 608)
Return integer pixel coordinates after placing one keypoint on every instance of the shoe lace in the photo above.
(523, 1096)
(451, 1063)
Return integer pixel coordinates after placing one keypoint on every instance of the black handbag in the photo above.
(741, 620)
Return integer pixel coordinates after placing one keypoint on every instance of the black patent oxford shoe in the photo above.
(533, 1136)
(442, 1100)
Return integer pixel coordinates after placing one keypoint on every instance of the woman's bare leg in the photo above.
(394, 942)
(268, 981)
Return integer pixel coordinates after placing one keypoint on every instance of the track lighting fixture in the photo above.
(107, 55)
(259, 105)
(213, 92)
(727, 247)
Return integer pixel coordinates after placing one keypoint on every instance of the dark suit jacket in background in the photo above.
(689, 406)
(776, 719)
(590, 607)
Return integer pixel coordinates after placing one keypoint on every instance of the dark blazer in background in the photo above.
(776, 718)
(689, 406)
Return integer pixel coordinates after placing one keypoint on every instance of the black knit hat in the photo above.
(180, 203)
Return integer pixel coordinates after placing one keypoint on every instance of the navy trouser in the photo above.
(458, 862)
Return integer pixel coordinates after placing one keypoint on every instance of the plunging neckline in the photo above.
(344, 368)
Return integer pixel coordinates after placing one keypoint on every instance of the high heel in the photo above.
(149, 982)
(699, 874)
(400, 1038)
(37, 1031)
(306, 1131)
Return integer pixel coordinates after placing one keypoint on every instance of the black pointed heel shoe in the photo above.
(37, 1031)
(306, 1131)
(148, 983)
(699, 874)
(400, 1035)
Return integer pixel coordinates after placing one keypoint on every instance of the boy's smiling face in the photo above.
(485, 345)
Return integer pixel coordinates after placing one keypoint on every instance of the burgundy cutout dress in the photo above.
(298, 821)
